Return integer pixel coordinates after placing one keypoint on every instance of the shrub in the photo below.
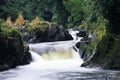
(9, 22)
(20, 19)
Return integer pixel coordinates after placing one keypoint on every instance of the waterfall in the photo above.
(57, 52)
(36, 57)
(55, 61)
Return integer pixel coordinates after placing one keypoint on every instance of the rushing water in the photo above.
(57, 61)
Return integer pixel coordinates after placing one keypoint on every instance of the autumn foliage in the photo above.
(35, 21)
(9, 21)
(20, 19)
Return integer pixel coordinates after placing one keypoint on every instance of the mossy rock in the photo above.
(107, 54)
(12, 50)
(43, 32)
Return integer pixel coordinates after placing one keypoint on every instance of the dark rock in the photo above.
(12, 51)
(26, 58)
(74, 47)
(57, 33)
(84, 52)
(86, 40)
(78, 45)
(50, 33)
(81, 33)
(83, 49)
(107, 54)
(89, 37)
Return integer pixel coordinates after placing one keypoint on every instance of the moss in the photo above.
(98, 32)
(1, 21)
(114, 55)
(39, 26)
(12, 50)
(7, 30)
(88, 50)
(107, 54)
(101, 51)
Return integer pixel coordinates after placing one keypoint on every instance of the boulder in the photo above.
(49, 33)
(12, 50)
(57, 33)
(82, 33)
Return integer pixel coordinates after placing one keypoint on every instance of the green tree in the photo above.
(76, 12)
(111, 11)
(10, 8)
(61, 12)
(43, 8)
(29, 8)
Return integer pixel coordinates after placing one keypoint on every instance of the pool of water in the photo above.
(57, 70)
(57, 61)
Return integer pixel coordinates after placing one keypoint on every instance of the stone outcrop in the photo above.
(107, 54)
(49, 33)
(82, 33)
(13, 51)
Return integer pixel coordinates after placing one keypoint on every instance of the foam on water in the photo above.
(54, 61)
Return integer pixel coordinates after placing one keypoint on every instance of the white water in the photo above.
(60, 55)
(66, 60)
(49, 64)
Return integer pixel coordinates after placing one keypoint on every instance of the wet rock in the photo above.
(81, 33)
(26, 58)
(58, 33)
(49, 33)
(12, 51)
(78, 44)
(107, 54)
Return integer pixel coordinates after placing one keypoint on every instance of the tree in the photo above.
(43, 8)
(29, 8)
(20, 20)
(111, 11)
(62, 13)
(10, 8)
(9, 21)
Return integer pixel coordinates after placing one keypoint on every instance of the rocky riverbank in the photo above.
(13, 51)
(43, 32)
(107, 54)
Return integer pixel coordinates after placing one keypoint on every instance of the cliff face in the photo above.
(12, 50)
(107, 54)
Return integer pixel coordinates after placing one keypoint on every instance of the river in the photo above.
(57, 61)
